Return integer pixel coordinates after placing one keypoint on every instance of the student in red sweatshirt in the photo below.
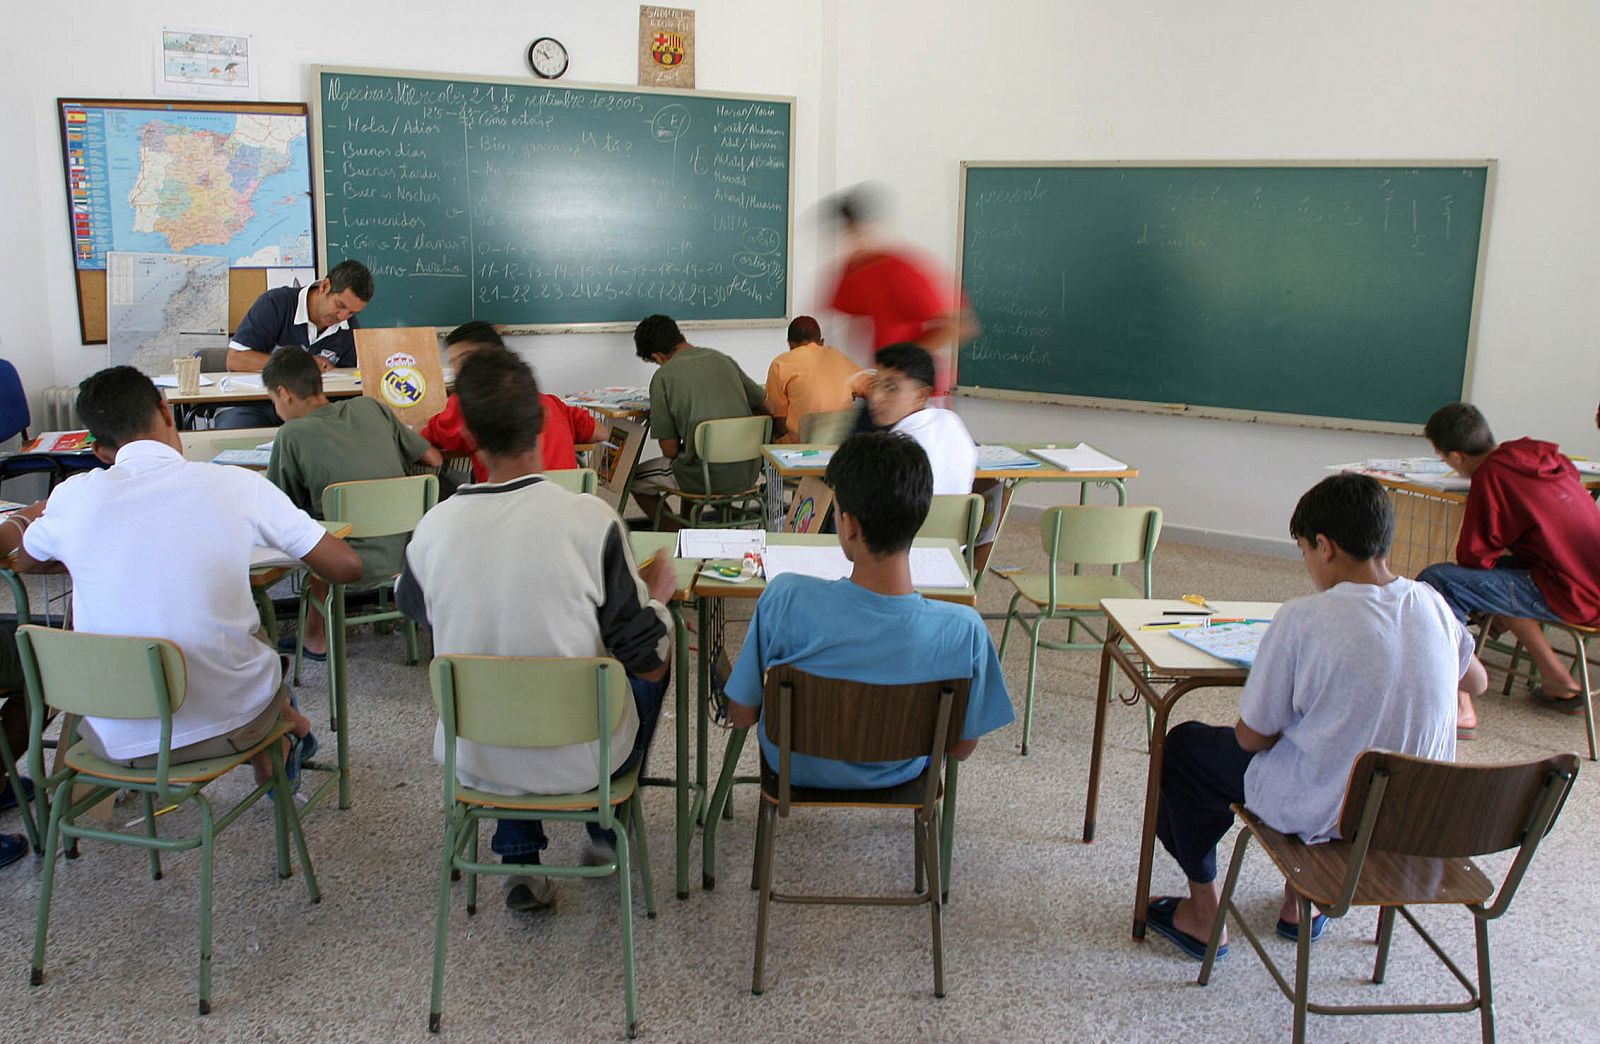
(564, 426)
(1529, 549)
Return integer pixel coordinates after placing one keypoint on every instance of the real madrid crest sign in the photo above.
(403, 384)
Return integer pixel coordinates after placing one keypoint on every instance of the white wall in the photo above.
(903, 90)
(924, 86)
(746, 46)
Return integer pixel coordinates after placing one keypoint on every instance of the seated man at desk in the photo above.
(159, 546)
(811, 378)
(481, 553)
(871, 627)
(318, 317)
(1529, 549)
(324, 442)
(1373, 660)
(564, 426)
(898, 401)
(692, 385)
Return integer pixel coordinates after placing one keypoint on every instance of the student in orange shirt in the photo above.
(811, 378)
(564, 426)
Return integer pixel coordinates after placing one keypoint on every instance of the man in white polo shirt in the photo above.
(159, 546)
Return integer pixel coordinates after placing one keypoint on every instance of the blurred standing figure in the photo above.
(905, 295)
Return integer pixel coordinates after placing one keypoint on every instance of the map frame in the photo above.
(245, 284)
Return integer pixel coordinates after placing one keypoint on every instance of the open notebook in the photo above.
(1235, 643)
(930, 566)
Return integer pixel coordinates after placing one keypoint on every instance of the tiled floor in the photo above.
(1037, 943)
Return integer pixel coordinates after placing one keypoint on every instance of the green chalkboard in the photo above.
(1334, 292)
(551, 206)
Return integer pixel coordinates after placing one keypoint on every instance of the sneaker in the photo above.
(599, 853)
(530, 893)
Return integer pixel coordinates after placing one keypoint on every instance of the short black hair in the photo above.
(500, 402)
(883, 480)
(475, 332)
(1459, 428)
(294, 369)
(910, 359)
(656, 335)
(856, 206)
(805, 330)
(1351, 510)
(118, 405)
(352, 276)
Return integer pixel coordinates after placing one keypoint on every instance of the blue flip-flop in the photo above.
(1158, 917)
(1319, 923)
(286, 644)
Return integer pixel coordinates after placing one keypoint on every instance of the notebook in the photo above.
(248, 458)
(930, 566)
(1000, 458)
(1082, 457)
(1235, 643)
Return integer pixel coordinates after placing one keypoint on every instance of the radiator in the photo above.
(59, 411)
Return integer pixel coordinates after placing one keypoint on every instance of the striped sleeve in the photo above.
(634, 629)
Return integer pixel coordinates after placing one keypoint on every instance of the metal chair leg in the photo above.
(764, 871)
(928, 839)
(1385, 935)
(1302, 972)
(1485, 984)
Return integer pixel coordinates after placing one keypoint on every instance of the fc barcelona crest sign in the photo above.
(666, 47)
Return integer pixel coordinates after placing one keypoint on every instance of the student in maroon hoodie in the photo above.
(1529, 549)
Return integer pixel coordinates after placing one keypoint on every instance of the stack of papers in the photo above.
(243, 382)
(1586, 467)
(1082, 457)
(930, 566)
(249, 458)
(613, 398)
(170, 380)
(1235, 643)
(59, 442)
(1407, 465)
(1448, 480)
(810, 458)
(998, 458)
(720, 543)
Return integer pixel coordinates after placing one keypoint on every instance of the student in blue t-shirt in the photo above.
(871, 627)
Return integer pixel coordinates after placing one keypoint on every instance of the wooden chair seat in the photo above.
(907, 795)
(1387, 878)
(82, 760)
(622, 788)
(1074, 592)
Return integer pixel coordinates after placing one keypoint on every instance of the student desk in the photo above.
(203, 445)
(1161, 669)
(705, 590)
(1010, 478)
(604, 403)
(646, 545)
(226, 389)
(1427, 521)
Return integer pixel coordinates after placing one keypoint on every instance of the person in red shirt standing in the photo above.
(1529, 549)
(905, 296)
(564, 426)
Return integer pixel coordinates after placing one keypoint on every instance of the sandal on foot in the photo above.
(1158, 917)
(1463, 732)
(1319, 924)
(286, 644)
(1572, 703)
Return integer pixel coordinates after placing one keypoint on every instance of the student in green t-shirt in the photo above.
(324, 442)
(693, 385)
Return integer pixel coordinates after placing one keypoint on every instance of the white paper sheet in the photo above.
(170, 380)
(720, 543)
(1082, 457)
(930, 566)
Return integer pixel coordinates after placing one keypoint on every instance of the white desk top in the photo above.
(1164, 653)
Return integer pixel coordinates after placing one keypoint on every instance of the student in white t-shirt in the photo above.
(1371, 661)
(159, 546)
(898, 400)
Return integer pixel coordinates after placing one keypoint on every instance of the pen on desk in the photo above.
(1187, 612)
(1171, 625)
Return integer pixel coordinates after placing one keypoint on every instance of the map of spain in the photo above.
(216, 183)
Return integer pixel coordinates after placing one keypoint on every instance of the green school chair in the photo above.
(955, 516)
(373, 508)
(1580, 635)
(731, 440)
(116, 677)
(1080, 536)
(514, 701)
(578, 480)
(852, 721)
(1409, 830)
(828, 428)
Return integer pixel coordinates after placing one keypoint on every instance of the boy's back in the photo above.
(348, 440)
(806, 380)
(693, 386)
(1527, 498)
(1354, 667)
(839, 629)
